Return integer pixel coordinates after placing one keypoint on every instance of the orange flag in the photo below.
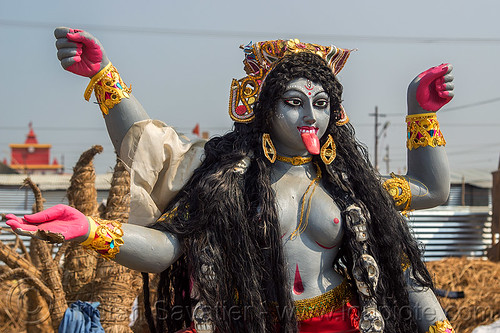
(196, 130)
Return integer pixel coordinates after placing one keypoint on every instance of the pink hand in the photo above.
(88, 58)
(433, 92)
(60, 219)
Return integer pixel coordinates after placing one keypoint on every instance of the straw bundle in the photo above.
(116, 287)
(12, 314)
(479, 280)
(51, 277)
(79, 264)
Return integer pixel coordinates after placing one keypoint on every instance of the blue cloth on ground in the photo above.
(81, 317)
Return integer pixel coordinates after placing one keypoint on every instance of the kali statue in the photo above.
(282, 224)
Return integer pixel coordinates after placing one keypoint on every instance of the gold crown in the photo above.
(260, 59)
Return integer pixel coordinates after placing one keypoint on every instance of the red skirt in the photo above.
(342, 320)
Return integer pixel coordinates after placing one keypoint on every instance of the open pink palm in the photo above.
(60, 219)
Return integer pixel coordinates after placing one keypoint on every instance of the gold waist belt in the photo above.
(320, 305)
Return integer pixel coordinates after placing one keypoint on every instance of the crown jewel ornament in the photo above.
(260, 58)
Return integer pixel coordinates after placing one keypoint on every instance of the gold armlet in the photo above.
(423, 130)
(399, 189)
(108, 87)
(105, 237)
(441, 327)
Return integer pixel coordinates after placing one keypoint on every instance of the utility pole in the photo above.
(377, 134)
(386, 159)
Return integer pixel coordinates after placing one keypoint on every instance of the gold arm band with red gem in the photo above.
(423, 130)
(108, 87)
(105, 237)
(399, 189)
(441, 327)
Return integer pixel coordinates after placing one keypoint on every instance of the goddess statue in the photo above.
(282, 224)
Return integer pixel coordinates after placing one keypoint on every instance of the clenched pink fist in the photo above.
(431, 89)
(79, 52)
(61, 220)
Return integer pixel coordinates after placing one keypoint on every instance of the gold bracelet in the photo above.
(423, 130)
(93, 81)
(441, 327)
(93, 228)
(108, 87)
(107, 237)
(400, 190)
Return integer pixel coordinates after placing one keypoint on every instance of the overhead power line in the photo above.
(254, 34)
(460, 107)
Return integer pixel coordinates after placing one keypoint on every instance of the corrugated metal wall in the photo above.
(457, 231)
(468, 195)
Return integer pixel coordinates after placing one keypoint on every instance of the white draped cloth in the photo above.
(160, 162)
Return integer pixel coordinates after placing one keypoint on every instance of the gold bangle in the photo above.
(107, 238)
(423, 130)
(399, 189)
(96, 78)
(93, 228)
(108, 87)
(441, 327)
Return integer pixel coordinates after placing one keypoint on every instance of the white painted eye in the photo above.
(321, 103)
(293, 102)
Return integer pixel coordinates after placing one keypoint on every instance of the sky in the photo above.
(180, 58)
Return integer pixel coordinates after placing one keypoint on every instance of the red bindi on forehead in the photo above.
(309, 86)
(306, 88)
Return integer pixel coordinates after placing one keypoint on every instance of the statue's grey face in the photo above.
(301, 117)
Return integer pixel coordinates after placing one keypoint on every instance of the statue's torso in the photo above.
(313, 251)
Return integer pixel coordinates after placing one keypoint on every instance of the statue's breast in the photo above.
(308, 213)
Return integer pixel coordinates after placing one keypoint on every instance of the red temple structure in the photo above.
(32, 157)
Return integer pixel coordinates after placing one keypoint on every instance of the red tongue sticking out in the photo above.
(311, 141)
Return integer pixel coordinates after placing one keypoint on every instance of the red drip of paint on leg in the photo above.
(298, 287)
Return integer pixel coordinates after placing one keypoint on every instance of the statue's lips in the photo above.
(309, 135)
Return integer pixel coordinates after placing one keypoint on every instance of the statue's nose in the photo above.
(309, 120)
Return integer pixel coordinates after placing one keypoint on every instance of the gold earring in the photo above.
(328, 151)
(268, 147)
(344, 119)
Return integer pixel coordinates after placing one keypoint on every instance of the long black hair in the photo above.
(227, 221)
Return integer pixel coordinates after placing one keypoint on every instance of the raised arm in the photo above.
(136, 247)
(427, 182)
(82, 54)
(160, 160)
